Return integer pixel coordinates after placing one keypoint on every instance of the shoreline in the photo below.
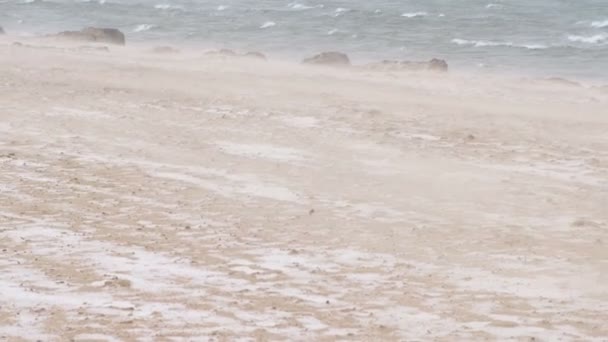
(190, 51)
(472, 66)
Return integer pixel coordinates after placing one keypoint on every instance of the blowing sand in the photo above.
(147, 197)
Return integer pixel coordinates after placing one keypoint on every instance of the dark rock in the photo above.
(255, 54)
(392, 65)
(227, 52)
(96, 35)
(221, 53)
(329, 58)
(438, 65)
(1, 30)
(165, 50)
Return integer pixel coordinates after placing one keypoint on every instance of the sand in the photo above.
(186, 198)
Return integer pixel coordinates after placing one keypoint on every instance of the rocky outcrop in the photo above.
(231, 53)
(391, 65)
(221, 53)
(255, 54)
(94, 35)
(1, 30)
(329, 58)
(438, 65)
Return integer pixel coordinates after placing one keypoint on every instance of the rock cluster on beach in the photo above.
(231, 53)
(391, 65)
(95, 35)
(1, 30)
(329, 58)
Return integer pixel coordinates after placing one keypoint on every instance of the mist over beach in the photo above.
(303, 171)
(544, 38)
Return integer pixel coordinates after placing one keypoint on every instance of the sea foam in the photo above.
(414, 14)
(268, 24)
(593, 39)
(487, 43)
(600, 23)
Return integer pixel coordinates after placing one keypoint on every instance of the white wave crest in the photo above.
(167, 7)
(488, 6)
(301, 7)
(221, 7)
(594, 39)
(600, 23)
(486, 43)
(143, 27)
(414, 14)
(268, 24)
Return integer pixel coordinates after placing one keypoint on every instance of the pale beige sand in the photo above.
(178, 198)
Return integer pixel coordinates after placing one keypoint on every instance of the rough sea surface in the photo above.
(541, 37)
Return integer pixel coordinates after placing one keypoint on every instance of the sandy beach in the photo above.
(185, 197)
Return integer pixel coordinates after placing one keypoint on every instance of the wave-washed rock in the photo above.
(331, 58)
(392, 65)
(96, 35)
(231, 53)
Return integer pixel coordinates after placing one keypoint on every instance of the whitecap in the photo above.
(478, 43)
(378, 11)
(167, 7)
(594, 39)
(143, 27)
(301, 7)
(441, 15)
(339, 11)
(414, 14)
(600, 23)
(332, 31)
(221, 7)
(493, 6)
(533, 46)
(486, 43)
(268, 24)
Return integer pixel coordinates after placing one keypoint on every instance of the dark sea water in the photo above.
(567, 38)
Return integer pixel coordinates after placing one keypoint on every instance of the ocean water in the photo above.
(565, 38)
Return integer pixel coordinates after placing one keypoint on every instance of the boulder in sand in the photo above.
(231, 53)
(437, 65)
(96, 35)
(1, 30)
(255, 54)
(329, 58)
(221, 53)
